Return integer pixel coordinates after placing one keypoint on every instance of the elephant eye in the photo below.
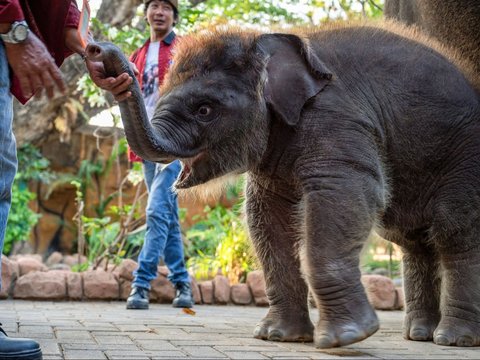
(204, 110)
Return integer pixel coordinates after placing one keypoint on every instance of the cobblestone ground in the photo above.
(106, 330)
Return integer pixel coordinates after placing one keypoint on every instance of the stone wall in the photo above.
(26, 277)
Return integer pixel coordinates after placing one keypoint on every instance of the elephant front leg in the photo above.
(460, 300)
(422, 293)
(274, 233)
(337, 225)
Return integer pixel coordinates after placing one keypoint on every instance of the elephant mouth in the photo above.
(189, 175)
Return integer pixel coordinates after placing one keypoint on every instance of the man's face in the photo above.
(160, 16)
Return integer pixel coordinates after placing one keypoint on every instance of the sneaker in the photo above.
(18, 348)
(138, 298)
(183, 297)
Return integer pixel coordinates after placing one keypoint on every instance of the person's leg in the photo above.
(148, 173)
(173, 254)
(10, 348)
(158, 220)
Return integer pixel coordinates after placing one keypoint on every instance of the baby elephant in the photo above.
(341, 129)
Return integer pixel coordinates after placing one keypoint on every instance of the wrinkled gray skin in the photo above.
(455, 23)
(363, 128)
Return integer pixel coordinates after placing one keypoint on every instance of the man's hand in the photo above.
(35, 68)
(117, 86)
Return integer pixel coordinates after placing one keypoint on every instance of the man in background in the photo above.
(162, 236)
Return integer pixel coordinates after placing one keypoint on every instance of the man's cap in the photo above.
(174, 3)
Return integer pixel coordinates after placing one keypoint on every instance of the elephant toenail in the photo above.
(441, 340)
(275, 335)
(465, 341)
(418, 334)
(260, 332)
(324, 342)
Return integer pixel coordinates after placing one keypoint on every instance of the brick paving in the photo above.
(106, 330)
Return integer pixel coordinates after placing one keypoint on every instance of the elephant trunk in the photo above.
(141, 136)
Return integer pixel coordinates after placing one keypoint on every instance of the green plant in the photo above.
(219, 243)
(378, 253)
(21, 219)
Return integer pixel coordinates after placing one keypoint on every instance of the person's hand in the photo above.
(34, 67)
(117, 86)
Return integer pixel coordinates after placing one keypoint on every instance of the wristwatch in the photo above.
(17, 34)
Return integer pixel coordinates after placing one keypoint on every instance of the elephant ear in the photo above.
(294, 74)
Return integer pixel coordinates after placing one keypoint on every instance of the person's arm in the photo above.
(117, 86)
(30, 60)
(34, 67)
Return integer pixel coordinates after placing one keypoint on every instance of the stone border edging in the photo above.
(26, 277)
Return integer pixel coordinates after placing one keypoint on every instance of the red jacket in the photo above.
(139, 57)
(47, 19)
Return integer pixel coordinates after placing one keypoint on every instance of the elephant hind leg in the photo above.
(460, 304)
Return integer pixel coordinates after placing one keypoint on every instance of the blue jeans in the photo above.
(163, 236)
(8, 147)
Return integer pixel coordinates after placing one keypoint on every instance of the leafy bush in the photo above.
(21, 219)
(219, 243)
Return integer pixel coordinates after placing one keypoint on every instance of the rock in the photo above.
(50, 285)
(74, 286)
(221, 290)
(197, 297)
(240, 294)
(10, 273)
(22, 248)
(256, 283)
(29, 264)
(72, 260)
(100, 285)
(126, 269)
(162, 289)
(125, 288)
(400, 299)
(55, 258)
(380, 291)
(37, 257)
(206, 291)
(63, 267)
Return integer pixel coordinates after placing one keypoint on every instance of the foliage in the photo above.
(390, 260)
(220, 242)
(21, 219)
(107, 235)
(393, 267)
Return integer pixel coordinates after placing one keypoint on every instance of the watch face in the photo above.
(20, 32)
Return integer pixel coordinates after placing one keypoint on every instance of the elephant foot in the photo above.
(340, 332)
(419, 326)
(457, 332)
(276, 328)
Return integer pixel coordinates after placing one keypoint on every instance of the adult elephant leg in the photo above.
(274, 233)
(340, 210)
(422, 292)
(460, 302)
